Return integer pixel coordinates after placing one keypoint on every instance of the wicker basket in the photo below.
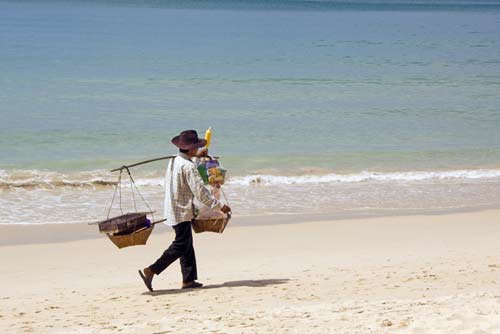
(212, 225)
(136, 238)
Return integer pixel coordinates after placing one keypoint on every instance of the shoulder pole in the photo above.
(142, 162)
(146, 161)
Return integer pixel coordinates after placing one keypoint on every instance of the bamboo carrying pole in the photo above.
(145, 162)
(142, 162)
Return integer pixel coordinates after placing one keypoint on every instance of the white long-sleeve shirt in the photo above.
(182, 184)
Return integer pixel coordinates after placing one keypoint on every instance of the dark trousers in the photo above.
(181, 248)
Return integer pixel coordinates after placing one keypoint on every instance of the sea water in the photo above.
(316, 106)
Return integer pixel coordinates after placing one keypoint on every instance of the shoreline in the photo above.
(327, 197)
(26, 234)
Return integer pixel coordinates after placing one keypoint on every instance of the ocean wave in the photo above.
(365, 176)
(54, 184)
(49, 179)
(95, 179)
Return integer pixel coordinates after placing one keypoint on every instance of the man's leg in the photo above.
(188, 260)
(183, 239)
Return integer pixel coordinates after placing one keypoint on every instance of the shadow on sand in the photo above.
(232, 284)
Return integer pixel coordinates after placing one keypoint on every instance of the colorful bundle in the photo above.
(211, 171)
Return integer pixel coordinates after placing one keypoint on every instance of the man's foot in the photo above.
(147, 276)
(191, 285)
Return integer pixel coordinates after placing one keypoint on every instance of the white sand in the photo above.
(415, 274)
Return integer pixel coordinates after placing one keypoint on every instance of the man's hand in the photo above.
(225, 209)
(203, 152)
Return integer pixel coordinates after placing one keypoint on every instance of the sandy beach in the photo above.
(357, 145)
(408, 274)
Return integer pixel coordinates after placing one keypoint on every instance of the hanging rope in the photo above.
(133, 185)
(225, 197)
(120, 189)
(117, 187)
(133, 188)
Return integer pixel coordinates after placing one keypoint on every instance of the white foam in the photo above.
(50, 179)
(365, 176)
(158, 182)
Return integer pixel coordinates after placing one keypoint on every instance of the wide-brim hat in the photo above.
(188, 139)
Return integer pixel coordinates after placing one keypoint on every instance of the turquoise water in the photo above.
(87, 84)
(291, 88)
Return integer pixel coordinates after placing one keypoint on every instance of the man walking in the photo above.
(182, 184)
